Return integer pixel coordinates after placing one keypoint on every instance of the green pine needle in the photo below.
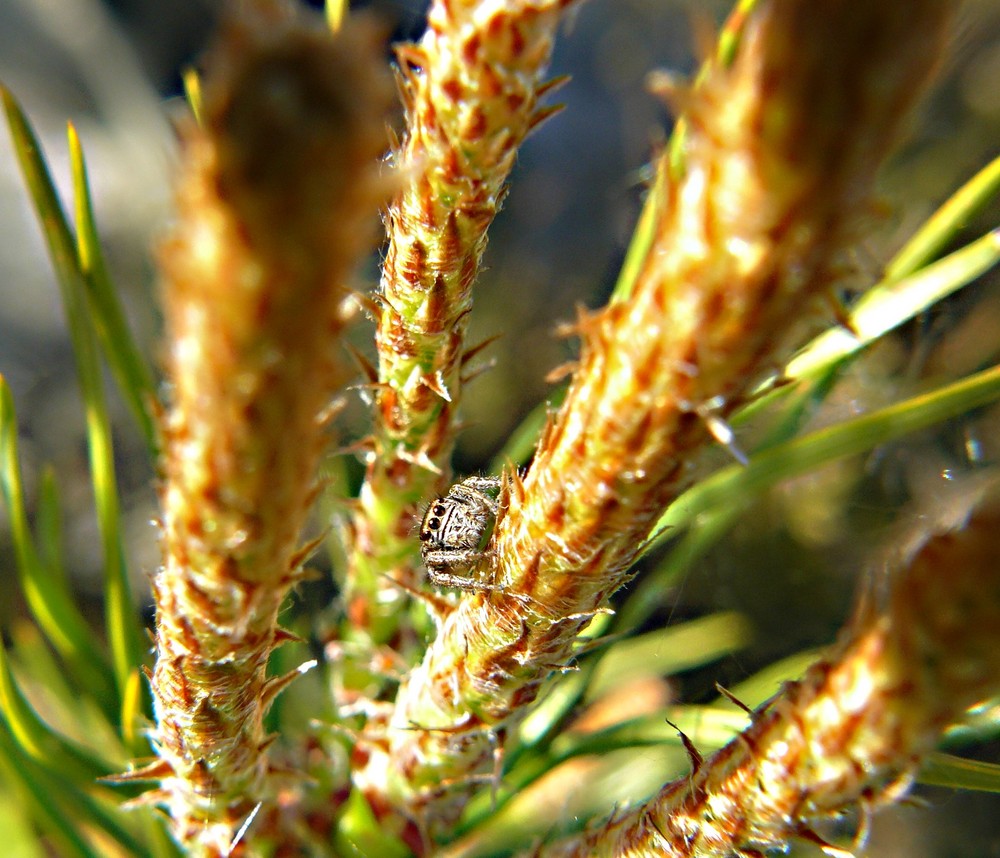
(131, 371)
(47, 595)
(124, 632)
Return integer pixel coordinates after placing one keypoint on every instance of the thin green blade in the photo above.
(124, 633)
(19, 770)
(36, 738)
(47, 596)
(819, 448)
(944, 224)
(130, 370)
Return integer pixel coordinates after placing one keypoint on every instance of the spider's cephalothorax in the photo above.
(454, 531)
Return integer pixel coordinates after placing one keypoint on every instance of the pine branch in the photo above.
(853, 731)
(276, 203)
(472, 89)
(756, 201)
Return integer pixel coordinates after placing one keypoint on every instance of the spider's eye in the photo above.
(425, 536)
(433, 524)
(438, 510)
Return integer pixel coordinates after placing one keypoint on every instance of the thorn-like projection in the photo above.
(564, 370)
(157, 798)
(472, 351)
(365, 365)
(542, 114)
(828, 848)
(585, 323)
(864, 829)
(410, 56)
(283, 636)
(475, 372)
(583, 648)
(694, 755)
(671, 89)
(371, 302)
(362, 446)
(274, 686)
(299, 558)
(266, 743)
(420, 459)
(154, 771)
(841, 315)
(732, 698)
(435, 382)
(327, 415)
(552, 85)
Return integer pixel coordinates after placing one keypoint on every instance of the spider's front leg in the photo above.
(445, 568)
(470, 585)
(482, 486)
(454, 559)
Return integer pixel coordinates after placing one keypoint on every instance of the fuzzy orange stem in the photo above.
(853, 730)
(759, 195)
(471, 88)
(276, 203)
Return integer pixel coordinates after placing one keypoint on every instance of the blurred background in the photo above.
(113, 68)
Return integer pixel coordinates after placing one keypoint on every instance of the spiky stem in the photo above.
(471, 89)
(854, 730)
(757, 198)
(275, 204)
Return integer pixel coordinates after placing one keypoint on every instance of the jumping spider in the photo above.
(454, 532)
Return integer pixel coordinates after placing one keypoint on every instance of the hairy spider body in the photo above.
(454, 531)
